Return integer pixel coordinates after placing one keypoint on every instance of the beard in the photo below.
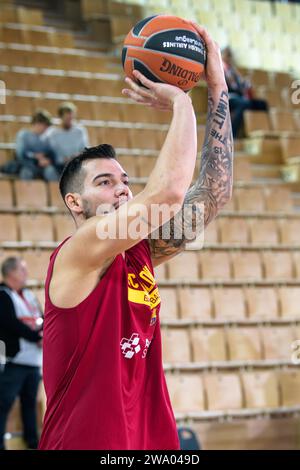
(88, 211)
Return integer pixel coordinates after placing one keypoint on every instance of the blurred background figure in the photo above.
(21, 331)
(33, 151)
(68, 139)
(241, 94)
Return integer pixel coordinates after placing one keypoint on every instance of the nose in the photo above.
(122, 190)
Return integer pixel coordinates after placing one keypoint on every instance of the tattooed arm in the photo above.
(213, 187)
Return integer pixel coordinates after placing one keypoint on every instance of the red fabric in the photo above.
(103, 378)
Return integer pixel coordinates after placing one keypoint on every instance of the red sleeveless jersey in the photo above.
(102, 365)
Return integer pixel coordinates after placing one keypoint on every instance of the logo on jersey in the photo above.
(143, 290)
(130, 347)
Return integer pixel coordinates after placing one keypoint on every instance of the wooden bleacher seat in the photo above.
(146, 165)
(35, 228)
(250, 199)
(289, 298)
(211, 233)
(160, 272)
(195, 303)
(229, 303)
(6, 191)
(18, 106)
(243, 344)
(272, 96)
(234, 230)
(223, 391)
(117, 137)
(278, 200)
(257, 122)
(55, 199)
(247, 265)
(31, 194)
(186, 391)
(169, 306)
(143, 139)
(289, 231)
(278, 265)
(215, 265)
(282, 79)
(260, 389)
(260, 78)
(263, 231)
(282, 120)
(242, 169)
(37, 262)
(296, 261)
(43, 60)
(177, 267)
(136, 188)
(30, 16)
(107, 111)
(13, 57)
(277, 342)
(290, 147)
(262, 302)
(9, 228)
(175, 345)
(64, 226)
(130, 164)
(289, 382)
(208, 344)
(8, 14)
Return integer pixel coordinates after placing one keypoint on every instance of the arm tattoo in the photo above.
(212, 189)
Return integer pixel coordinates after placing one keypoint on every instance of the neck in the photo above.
(12, 285)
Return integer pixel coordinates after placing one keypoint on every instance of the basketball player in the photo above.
(103, 371)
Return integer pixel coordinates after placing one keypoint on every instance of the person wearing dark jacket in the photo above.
(21, 333)
(240, 91)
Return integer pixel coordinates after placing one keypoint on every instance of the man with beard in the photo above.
(103, 370)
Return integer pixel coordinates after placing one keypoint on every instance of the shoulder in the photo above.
(23, 133)
(79, 128)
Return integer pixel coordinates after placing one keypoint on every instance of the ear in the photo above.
(74, 202)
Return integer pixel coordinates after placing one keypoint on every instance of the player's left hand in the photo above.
(214, 71)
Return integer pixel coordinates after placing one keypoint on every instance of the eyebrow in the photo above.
(110, 175)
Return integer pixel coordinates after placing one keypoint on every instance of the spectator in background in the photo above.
(20, 330)
(241, 96)
(33, 150)
(70, 139)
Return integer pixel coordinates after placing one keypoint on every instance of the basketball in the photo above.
(166, 49)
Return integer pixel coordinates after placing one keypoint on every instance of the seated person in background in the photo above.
(69, 139)
(33, 150)
(240, 93)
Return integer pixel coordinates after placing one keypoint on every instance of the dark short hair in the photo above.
(66, 107)
(9, 265)
(73, 174)
(41, 116)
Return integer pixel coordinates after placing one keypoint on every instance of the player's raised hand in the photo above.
(156, 95)
(214, 72)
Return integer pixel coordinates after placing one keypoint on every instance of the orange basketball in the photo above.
(165, 49)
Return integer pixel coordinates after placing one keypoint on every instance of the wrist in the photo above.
(220, 86)
(180, 100)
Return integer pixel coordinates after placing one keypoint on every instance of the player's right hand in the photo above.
(156, 95)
